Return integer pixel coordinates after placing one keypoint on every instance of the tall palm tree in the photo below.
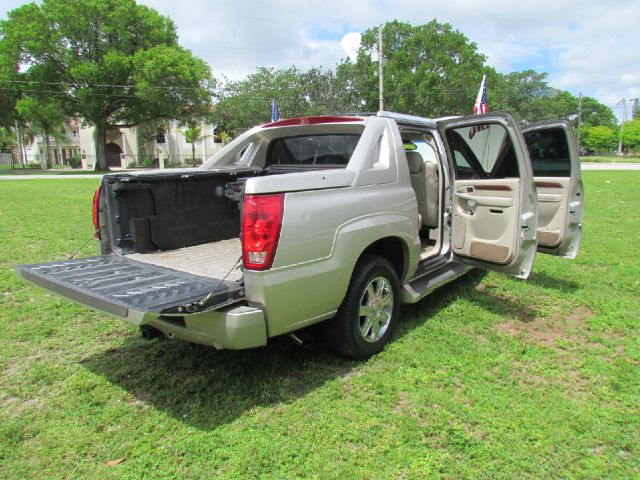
(192, 135)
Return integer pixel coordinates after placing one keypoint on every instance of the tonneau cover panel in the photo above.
(134, 291)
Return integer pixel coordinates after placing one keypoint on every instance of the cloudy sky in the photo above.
(587, 46)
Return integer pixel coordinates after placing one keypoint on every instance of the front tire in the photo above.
(368, 314)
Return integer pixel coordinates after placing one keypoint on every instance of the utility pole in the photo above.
(579, 121)
(380, 70)
(624, 119)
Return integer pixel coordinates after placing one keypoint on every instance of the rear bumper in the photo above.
(235, 328)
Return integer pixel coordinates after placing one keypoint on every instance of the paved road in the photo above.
(610, 166)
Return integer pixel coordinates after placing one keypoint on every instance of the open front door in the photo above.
(493, 208)
(556, 168)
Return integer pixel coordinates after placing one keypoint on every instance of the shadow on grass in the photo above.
(545, 281)
(206, 388)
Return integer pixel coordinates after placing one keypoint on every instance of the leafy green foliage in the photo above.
(595, 113)
(631, 135)
(528, 95)
(110, 62)
(7, 140)
(431, 70)
(247, 103)
(599, 138)
(44, 116)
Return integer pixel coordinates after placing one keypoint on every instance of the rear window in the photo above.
(549, 152)
(333, 150)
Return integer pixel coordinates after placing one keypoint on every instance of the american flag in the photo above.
(480, 106)
(275, 111)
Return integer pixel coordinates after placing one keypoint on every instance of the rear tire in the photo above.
(368, 314)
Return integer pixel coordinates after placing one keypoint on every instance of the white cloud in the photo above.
(350, 44)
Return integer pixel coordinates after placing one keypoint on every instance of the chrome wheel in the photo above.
(376, 309)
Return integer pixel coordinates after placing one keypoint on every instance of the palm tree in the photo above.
(224, 137)
(192, 135)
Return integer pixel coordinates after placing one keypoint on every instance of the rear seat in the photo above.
(425, 184)
(418, 178)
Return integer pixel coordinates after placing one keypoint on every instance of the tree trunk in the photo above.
(193, 154)
(19, 138)
(47, 139)
(101, 149)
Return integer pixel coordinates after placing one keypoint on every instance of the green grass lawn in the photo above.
(490, 377)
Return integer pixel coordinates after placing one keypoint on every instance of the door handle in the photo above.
(503, 202)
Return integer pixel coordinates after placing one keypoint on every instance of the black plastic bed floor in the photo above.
(116, 284)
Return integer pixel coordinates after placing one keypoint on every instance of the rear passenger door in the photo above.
(493, 204)
(553, 151)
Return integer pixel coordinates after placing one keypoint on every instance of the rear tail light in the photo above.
(96, 212)
(261, 224)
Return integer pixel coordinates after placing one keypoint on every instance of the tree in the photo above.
(247, 102)
(599, 138)
(112, 63)
(529, 97)
(9, 87)
(631, 135)
(595, 113)
(430, 70)
(193, 134)
(7, 140)
(44, 116)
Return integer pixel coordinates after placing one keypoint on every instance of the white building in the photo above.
(162, 145)
(64, 147)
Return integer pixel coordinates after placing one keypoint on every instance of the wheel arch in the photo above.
(393, 249)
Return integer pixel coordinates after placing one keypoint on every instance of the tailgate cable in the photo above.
(94, 235)
(198, 304)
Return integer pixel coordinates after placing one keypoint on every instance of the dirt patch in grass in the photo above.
(10, 369)
(548, 331)
(559, 332)
(403, 405)
(18, 404)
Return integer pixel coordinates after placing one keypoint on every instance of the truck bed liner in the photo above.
(213, 260)
(116, 285)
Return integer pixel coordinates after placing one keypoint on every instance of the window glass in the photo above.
(245, 155)
(425, 149)
(335, 150)
(483, 151)
(549, 152)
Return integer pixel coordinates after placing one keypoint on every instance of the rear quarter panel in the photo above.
(324, 232)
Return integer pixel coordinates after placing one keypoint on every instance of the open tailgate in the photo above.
(133, 291)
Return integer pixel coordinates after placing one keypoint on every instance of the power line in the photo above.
(96, 85)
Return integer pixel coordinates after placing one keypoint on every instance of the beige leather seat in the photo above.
(433, 195)
(418, 181)
(425, 184)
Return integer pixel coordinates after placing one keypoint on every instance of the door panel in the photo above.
(556, 166)
(494, 202)
(488, 212)
(553, 197)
